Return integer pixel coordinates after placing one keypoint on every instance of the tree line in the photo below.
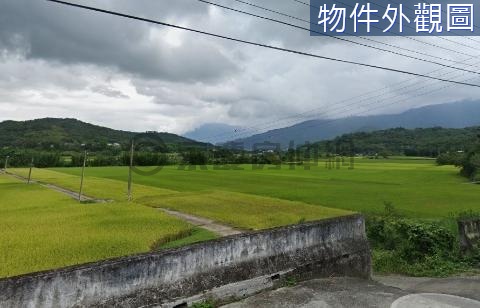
(468, 161)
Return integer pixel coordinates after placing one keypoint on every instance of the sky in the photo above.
(58, 61)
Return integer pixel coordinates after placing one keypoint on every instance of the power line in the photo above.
(216, 35)
(344, 108)
(258, 44)
(359, 37)
(443, 10)
(300, 117)
(335, 37)
(438, 37)
(405, 37)
(326, 122)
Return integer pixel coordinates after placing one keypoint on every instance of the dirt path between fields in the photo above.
(68, 192)
(210, 225)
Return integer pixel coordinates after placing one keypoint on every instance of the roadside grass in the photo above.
(418, 188)
(388, 262)
(242, 210)
(42, 229)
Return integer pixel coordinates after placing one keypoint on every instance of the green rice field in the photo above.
(42, 229)
(417, 188)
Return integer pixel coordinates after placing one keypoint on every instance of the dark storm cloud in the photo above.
(44, 30)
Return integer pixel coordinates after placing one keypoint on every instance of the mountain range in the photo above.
(451, 115)
(213, 133)
(71, 134)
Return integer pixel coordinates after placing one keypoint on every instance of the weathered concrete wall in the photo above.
(317, 249)
(469, 232)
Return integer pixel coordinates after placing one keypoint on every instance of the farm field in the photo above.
(42, 229)
(241, 210)
(45, 229)
(417, 188)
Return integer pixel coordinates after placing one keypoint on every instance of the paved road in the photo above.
(466, 286)
(353, 292)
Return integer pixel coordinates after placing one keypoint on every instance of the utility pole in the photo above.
(6, 163)
(30, 172)
(81, 179)
(207, 154)
(130, 173)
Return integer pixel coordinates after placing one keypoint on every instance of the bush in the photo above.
(204, 304)
(415, 247)
(470, 163)
(412, 240)
(386, 261)
(449, 159)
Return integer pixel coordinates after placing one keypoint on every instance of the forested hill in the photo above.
(401, 141)
(70, 134)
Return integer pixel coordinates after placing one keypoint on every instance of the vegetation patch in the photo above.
(192, 236)
(205, 304)
(416, 247)
(290, 281)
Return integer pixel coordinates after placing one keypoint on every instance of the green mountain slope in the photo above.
(401, 141)
(70, 134)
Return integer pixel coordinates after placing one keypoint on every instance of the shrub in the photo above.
(449, 159)
(412, 240)
(415, 247)
(204, 304)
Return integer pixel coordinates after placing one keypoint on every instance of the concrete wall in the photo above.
(329, 247)
(469, 232)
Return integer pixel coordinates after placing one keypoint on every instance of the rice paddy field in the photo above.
(417, 188)
(43, 229)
